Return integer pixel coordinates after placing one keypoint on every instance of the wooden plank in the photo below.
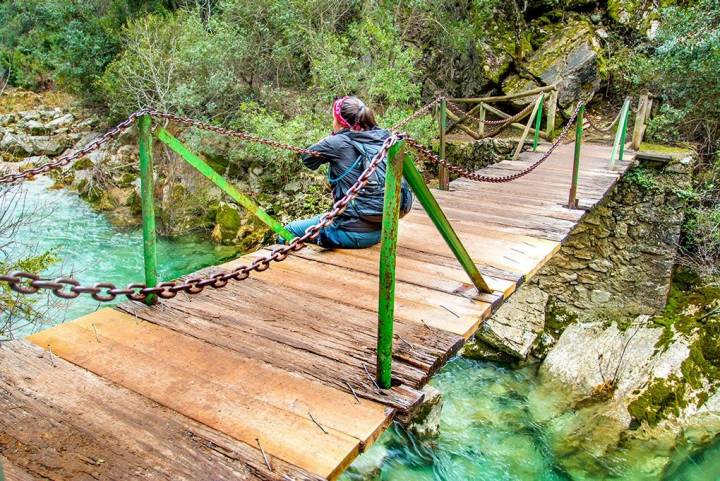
(294, 439)
(256, 380)
(414, 303)
(62, 422)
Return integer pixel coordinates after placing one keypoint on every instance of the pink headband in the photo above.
(337, 106)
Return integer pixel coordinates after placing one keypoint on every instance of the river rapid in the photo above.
(494, 423)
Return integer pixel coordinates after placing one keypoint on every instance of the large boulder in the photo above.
(515, 327)
(569, 58)
(635, 14)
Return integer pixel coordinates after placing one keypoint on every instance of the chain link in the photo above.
(459, 111)
(418, 113)
(231, 133)
(69, 288)
(66, 159)
(605, 129)
(428, 155)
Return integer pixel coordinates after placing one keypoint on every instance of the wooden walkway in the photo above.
(254, 381)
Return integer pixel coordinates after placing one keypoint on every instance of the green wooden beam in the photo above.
(202, 167)
(619, 133)
(147, 191)
(429, 203)
(538, 121)
(388, 256)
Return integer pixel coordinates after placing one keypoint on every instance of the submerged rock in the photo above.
(425, 422)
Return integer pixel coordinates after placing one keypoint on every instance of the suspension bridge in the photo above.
(296, 370)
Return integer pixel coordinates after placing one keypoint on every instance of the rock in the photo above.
(514, 328)
(61, 121)
(425, 422)
(17, 145)
(45, 145)
(599, 296)
(592, 357)
(227, 223)
(37, 128)
(569, 58)
(480, 153)
(477, 349)
(639, 16)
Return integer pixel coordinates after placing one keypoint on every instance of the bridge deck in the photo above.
(207, 387)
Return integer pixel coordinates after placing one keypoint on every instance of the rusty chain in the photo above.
(418, 113)
(230, 133)
(64, 160)
(428, 155)
(459, 111)
(120, 128)
(69, 288)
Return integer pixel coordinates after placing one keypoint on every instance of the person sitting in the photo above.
(354, 142)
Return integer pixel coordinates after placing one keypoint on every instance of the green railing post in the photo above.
(623, 133)
(147, 191)
(443, 174)
(179, 148)
(388, 252)
(538, 122)
(619, 133)
(431, 206)
(572, 198)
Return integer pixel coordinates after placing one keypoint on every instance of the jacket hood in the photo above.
(375, 135)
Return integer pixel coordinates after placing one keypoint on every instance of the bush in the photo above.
(681, 65)
(69, 43)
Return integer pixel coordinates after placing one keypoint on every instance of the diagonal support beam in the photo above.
(202, 167)
(431, 206)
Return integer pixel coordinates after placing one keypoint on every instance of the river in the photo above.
(494, 424)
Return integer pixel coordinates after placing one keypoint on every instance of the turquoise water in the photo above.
(92, 250)
(497, 424)
(503, 424)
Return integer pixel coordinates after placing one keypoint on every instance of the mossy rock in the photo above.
(227, 223)
(661, 399)
(83, 164)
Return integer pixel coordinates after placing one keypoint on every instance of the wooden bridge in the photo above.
(279, 377)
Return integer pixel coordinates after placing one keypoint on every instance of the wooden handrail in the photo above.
(502, 98)
(526, 130)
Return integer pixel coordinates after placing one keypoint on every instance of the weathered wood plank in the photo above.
(294, 439)
(62, 422)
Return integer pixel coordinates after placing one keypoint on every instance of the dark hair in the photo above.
(356, 113)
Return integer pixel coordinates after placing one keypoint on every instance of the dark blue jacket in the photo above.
(365, 212)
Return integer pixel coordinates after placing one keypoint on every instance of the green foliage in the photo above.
(19, 310)
(681, 65)
(43, 42)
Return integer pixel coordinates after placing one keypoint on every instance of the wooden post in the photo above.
(415, 179)
(640, 118)
(552, 109)
(388, 254)
(443, 174)
(526, 131)
(202, 167)
(538, 120)
(572, 198)
(148, 209)
(481, 123)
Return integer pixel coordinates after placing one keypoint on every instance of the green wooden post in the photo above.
(572, 199)
(415, 179)
(619, 133)
(538, 122)
(388, 252)
(443, 174)
(623, 133)
(147, 191)
(202, 167)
